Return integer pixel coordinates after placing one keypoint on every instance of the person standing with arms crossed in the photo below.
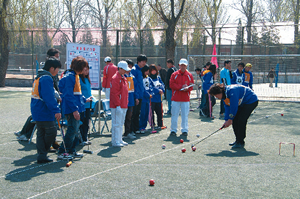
(109, 70)
(179, 83)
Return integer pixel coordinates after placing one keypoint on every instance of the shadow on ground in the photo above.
(233, 153)
(32, 169)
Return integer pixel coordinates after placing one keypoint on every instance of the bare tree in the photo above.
(4, 51)
(101, 11)
(295, 4)
(216, 16)
(75, 15)
(250, 9)
(167, 11)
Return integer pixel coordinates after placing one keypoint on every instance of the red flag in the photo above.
(214, 60)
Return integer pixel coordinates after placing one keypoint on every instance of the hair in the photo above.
(241, 64)
(144, 69)
(52, 51)
(213, 69)
(82, 77)
(227, 62)
(78, 64)
(170, 61)
(216, 88)
(153, 67)
(141, 57)
(129, 62)
(52, 63)
(197, 69)
(208, 64)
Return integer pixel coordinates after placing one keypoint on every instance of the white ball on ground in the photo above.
(198, 135)
(163, 146)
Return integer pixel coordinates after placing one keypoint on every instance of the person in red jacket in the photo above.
(109, 70)
(181, 83)
(119, 103)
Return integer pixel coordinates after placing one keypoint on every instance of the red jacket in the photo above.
(177, 80)
(108, 71)
(118, 91)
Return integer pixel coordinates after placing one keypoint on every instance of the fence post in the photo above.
(32, 49)
(117, 47)
(242, 44)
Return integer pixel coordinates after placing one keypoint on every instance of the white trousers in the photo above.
(117, 120)
(107, 93)
(185, 109)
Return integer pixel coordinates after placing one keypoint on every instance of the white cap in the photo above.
(106, 59)
(183, 61)
(123, 65)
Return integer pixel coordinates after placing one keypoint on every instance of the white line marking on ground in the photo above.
(130, 163)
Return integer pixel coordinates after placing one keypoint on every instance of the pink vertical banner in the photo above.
(214, 60)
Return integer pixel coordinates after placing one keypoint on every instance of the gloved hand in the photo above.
(103, 90)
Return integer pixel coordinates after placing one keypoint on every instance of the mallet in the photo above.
(207, 137)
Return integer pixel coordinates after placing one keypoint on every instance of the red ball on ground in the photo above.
(67, 165)
(151, 182)
(194, 148)
(183, 150)
(181, 140)
(281, 114)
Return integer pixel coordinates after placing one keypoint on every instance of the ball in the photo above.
(67, 165)
(181, 140)
(194, 148)
(198, 135)
(267, 116)
(151, 182)
(163, 146)
(183, 150)
(281, 114)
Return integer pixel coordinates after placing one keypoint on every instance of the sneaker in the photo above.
(157, 128)
(138, 132)
(124, 143)
(222, 115)
(86, 143)
(17, 133)
(132, 133)
(143, 131)
(184, 133)
(233, 143)
(238, 145)
(52, 150)
(172, 133)
(22, 138)
(77, 155)
(44, 161)
(64, 156)
(130, 136)
(117, 145)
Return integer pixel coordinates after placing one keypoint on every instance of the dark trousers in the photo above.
(127, 123)
(222, 106)
(28, 127)
(46, 133)
(85, 119)
(240, 121)
(156, 107)
(207, 105)
(136, 116)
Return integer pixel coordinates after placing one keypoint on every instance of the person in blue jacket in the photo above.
(148, 92)
(239, 101)
(226, 80)
(45, 109)
(132, 101)
(85, 115)
(238, 76)
(137, 73)
(156, 98)
(72, 104)
(248, 81)
(208, 81)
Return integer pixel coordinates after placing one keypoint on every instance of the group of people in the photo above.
(135, 92)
